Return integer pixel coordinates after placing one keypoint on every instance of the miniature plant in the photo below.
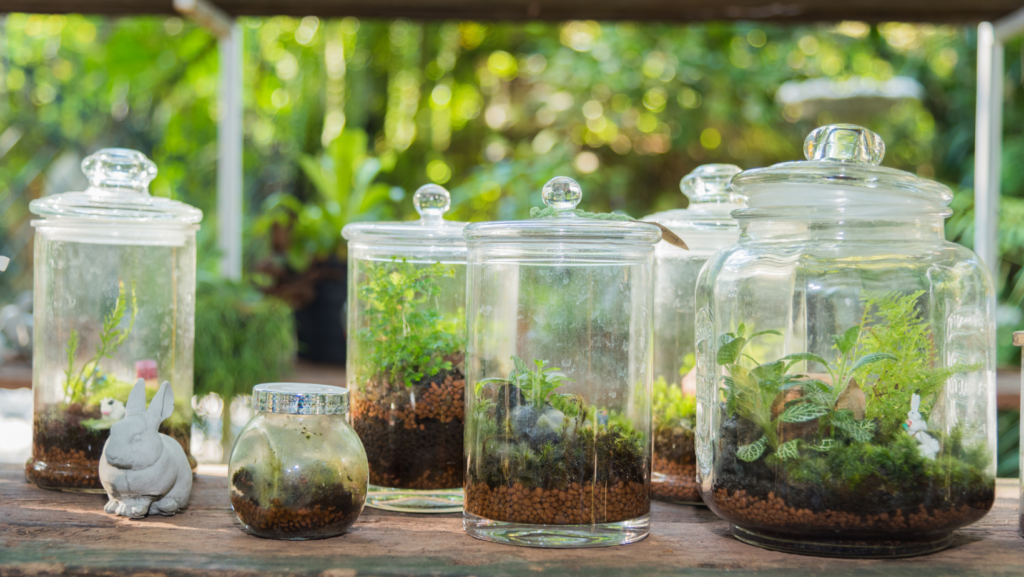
(111, 338)
(407, 336)
(670, 406)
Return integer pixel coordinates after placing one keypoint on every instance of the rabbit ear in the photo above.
(915, 402)
(136, 404)
(161, 406)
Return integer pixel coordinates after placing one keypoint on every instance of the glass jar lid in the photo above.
(431, 202)
(299, 399)
(118, 192)
(561, 221)
(711, 200)
(842, 168)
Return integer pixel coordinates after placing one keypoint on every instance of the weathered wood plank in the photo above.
(42, 532)
(555, 10)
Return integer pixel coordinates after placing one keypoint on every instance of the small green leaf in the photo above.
(802, 412)
(741, 329)
(730, 351)
(769, 371)
(809, 357)
(753, 451)
(762, 333)
(847, 340)
(788, 450)
(871, 359)
(825, 446)
(520, 366)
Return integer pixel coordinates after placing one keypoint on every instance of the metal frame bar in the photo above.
(229, 129)
(988, 135)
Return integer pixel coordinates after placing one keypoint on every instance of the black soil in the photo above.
(413, 436)
(756, 496)
(305, 512)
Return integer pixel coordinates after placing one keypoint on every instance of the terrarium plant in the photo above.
(673, 464)
(544, 457)
(848, 446)
(407, 402)
(74, 430)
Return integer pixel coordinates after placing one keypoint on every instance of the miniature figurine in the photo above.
(111, 409)
(916, 426)
(143, 471)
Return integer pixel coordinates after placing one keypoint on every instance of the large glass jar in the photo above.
(406, 346)
(845, 366)
(706, 227)
(297, 470)
(115, 272)
(558, 391)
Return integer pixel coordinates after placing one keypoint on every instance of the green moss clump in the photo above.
(672, 409)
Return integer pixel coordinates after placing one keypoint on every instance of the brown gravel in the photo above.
(679, 484)
(280, 522)
(573, 505)
(773, 513)
(53, 468)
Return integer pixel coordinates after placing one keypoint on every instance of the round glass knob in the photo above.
(709, 182)
(844, 143)
(119, 168)
(431, 201)
(562, 193)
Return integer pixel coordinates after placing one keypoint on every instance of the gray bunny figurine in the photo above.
(143, 471)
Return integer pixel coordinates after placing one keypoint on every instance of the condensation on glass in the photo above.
(706, 227)
(406, 351)
(297, 470)
(114, 294)
(558, 377)
(845, 361)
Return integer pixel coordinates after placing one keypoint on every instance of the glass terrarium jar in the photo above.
(406, 348)
(114, 295)
(845, 366)
(1018, 341)
(707, 227)
(558, 408)
(297, 469)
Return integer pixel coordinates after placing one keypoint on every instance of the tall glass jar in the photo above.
(706, 227)
(115, 278)
(845, 366)
(298, 470)
(558, 391)
(1018, 341)
(406, 347)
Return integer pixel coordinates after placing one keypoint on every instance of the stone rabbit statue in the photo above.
(917, 427)
(143, 471)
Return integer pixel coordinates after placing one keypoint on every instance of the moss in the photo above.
(672, 409)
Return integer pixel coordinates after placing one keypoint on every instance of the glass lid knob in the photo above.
(119, 169)
(562, 193)
(431, 201)
(709, 182)
(844, 143)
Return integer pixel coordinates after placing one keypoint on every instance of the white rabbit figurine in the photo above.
(112, 409)
(916, 426)
(143, 471)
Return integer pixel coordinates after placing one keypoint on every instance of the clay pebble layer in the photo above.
(744, 509)
(282, 522)
(414, 437)
(572, 505)
(53, 468)
(678, 483)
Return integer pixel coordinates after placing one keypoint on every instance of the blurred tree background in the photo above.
(345, 118)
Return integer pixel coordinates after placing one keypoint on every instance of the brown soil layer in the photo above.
(746, 510)
(679, 484)
(573, 505)
(674, 458)
(280, 522)
(413, 436)
(66, 454)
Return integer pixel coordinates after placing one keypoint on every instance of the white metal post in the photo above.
(229, 130)
(988, 135)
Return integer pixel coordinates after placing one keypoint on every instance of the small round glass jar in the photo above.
(558, 391)
(298, 470)
(706, 227)
(114, 293)
(406, 347)
(845, 365)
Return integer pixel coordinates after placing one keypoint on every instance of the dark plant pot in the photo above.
(320, 325)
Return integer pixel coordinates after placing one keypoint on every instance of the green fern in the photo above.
(111, 339)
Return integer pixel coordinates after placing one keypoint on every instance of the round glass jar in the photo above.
(406, 347)
(114, 301)
(559, 377)
(845, 366)
(298, 470)
(706, 227)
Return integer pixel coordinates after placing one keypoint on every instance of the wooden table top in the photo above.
(44, 532)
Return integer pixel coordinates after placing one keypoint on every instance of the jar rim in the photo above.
(300, 399)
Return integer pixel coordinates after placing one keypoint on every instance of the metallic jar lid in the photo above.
(300, 399)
